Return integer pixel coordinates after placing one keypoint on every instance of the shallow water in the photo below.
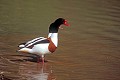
(88, 49)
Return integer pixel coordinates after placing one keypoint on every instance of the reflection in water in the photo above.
(36, 72)
(43, 74)
(24, 67)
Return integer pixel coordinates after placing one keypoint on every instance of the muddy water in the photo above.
(88, 49)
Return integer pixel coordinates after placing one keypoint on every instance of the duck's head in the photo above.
(54, 27)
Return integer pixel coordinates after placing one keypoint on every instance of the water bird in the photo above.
(41, 45)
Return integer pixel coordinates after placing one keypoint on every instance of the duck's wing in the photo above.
(33, 42)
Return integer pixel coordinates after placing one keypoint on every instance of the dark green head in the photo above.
(54, 27)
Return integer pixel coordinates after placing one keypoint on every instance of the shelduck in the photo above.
(41, 45)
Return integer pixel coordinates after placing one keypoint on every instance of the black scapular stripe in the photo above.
(39, 42)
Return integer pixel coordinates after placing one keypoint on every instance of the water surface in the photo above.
(88, 49)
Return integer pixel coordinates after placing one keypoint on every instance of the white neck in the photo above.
(49, 35)
(54, 38)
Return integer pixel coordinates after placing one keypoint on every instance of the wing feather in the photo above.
(33, 42)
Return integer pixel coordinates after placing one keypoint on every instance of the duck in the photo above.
(44, 45)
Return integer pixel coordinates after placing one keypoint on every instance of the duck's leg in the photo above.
(42, 59)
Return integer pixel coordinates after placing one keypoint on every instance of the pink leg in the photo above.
(42, 59)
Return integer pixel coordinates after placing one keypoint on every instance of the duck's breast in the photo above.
(41, 48)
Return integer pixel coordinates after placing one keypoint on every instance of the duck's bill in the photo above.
(66, 23)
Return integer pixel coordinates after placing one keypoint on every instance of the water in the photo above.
(88, 49)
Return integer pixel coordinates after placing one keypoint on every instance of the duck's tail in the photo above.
(21, 45)
(25, 50)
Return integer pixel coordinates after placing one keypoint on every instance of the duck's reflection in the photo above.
(31, 70)
(36, 71)
(45, 73)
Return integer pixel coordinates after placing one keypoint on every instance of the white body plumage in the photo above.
(40, 48)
